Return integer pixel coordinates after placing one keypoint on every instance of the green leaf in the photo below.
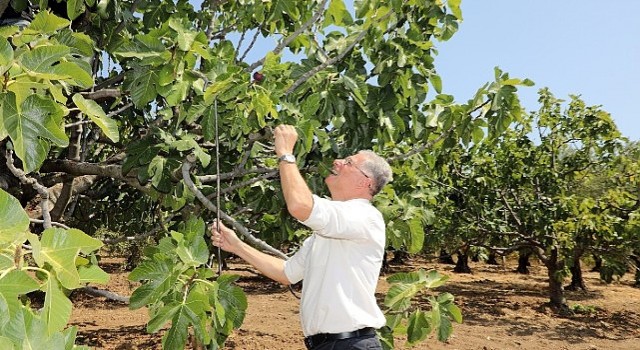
(147, 47)
(436, 81)
(162, 316)
(97, 115)
(160, 169)
(455, 312)
(46, 23)
(263, 106)
(77, 73)
(141, 81)
(6, 261)
(39, 118)
(92, 274)
(185, 36)
(399, 296)
(75, 8)
(59, 248)
(195, 254)
(14, 221)
(454, 5)
(176, 337)
(418, 328)
(417, 234)
(161, 278)
(14, 284)
(139, 153)
(42, 61)
(57, 307)
(337, 14)
(233, 300)
(434, 279)
(445, 329)
(6, 55)
(31, 333)
(6, 343)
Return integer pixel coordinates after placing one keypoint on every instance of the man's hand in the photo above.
(285, 139)
(226, 238)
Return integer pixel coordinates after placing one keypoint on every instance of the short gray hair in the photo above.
(378, 168)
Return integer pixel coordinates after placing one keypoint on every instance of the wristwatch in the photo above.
(289, 158)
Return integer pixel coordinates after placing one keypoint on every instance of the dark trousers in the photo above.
(365, 342)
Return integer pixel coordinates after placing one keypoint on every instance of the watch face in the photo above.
(289, 158)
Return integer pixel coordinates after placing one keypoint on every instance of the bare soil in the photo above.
(501, 310)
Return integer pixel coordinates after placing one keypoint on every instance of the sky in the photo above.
(589, 48)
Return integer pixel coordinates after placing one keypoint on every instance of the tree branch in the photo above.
(260, 244)
(113, 171)
(230, 189)
(293, 36)
(44, 193)
(233, 174)
(102, 94)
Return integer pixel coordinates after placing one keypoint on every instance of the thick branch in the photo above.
(53, 223)
(82, 168)
(260, 244)
(44, 193)
(110, 82)
(105, 293)
(102, 94)
(232, 174)
(514, 215)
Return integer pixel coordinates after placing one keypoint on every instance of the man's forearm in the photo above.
(268, 265)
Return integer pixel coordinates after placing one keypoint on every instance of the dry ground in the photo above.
(501, 310)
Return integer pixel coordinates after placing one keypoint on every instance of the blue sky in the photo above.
(589, 48)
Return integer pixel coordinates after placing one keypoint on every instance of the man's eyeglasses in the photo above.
(348, 161)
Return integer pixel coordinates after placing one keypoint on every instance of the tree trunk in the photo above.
(399, 257)
(597, 263)
(636, 261)
(492, 259)
(523, 261)
(557, 300)
(462, 265)
(445, 258)
(577, 282)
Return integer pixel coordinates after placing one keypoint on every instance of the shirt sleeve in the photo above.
(294, 266)
(341, 220)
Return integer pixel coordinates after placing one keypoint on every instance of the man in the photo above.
(340, 263)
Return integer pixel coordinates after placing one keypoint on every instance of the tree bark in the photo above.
(462, 265)
(557, 300)
(636, 260)
(492, 259)
(577, 282)
(3, 6)
(445, 258)
(597, 263)
(523, 261)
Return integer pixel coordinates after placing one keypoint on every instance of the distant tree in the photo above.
(519, 189)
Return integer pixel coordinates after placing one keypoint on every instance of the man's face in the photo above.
(347, 177)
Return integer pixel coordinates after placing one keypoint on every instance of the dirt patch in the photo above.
(501, 310)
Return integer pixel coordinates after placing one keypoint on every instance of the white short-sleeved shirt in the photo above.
(340, 264)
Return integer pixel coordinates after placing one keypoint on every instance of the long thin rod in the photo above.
(215, 111)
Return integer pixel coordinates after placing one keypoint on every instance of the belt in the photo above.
(321, 338)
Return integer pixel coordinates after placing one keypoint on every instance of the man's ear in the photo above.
(365, 182)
